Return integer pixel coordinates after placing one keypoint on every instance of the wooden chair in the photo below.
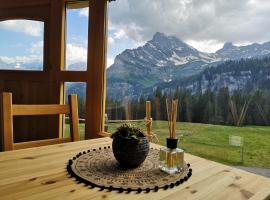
(9, 110)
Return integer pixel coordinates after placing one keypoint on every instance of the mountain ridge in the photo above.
(247, 75)
(167, 58)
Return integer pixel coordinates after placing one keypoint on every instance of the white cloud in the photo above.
(111, 41)
(36, 48)
(130, 30)
(120, 34)
(75, 53)
(209, 46)
(111, 26)
(84, 12)
(29, 27)
(35, 55)
(110, 61)
(208, 22)
(21, 59)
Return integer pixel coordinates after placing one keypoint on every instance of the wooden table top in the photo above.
(40, 173)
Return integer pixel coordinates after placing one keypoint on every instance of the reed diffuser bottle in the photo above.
(171, 157)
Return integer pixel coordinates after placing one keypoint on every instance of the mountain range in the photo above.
(166, 59)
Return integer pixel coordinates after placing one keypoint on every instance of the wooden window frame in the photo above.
(53, 13)
(95, 75)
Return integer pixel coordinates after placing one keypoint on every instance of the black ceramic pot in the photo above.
(130, 153)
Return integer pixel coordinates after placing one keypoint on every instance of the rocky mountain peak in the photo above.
(228, 45)
(159, 37)
(169, 42)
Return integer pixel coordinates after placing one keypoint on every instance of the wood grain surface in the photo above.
(40, 173)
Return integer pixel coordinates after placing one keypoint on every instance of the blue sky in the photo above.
(118, 41)
(16, 44)
(21, 41)
(205, 25)
(77, 25)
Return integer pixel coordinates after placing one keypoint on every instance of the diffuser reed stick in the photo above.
(172, 116)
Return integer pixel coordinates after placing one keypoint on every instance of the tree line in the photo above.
(222, 107)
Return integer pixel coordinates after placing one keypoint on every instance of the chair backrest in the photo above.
(9, 110)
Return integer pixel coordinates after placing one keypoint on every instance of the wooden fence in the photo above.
(148, 123)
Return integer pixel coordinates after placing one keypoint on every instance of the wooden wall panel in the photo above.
(32, 12)
(5, 4)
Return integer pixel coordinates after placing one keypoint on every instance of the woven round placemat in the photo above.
(98, 168)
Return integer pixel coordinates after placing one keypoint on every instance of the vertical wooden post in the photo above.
(148, 119)
(57, 56)
(7, 123)
(96, 68)
(74, 117)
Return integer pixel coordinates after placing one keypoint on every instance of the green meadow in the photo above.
(212, 141)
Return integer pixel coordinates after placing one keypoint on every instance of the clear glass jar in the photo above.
(171, 160)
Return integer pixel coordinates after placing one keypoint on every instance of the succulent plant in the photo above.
(128, 131)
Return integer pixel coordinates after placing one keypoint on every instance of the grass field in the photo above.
(212, 142)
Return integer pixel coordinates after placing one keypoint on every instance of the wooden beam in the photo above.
(31, 12)
(104, 69)
(96, 67)
(9, 75)
(57, 53)
(7, 121)
(38, 143)
(74, 118)
(75, 4)
(72, 76)
(105, 134)
(5, 4)
(148, 119)
(21, 110)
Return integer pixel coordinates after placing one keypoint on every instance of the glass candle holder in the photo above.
(171, 158)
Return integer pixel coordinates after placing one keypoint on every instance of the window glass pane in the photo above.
(79, 89)
(21, 45)
(76, 37)
(213, 60)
